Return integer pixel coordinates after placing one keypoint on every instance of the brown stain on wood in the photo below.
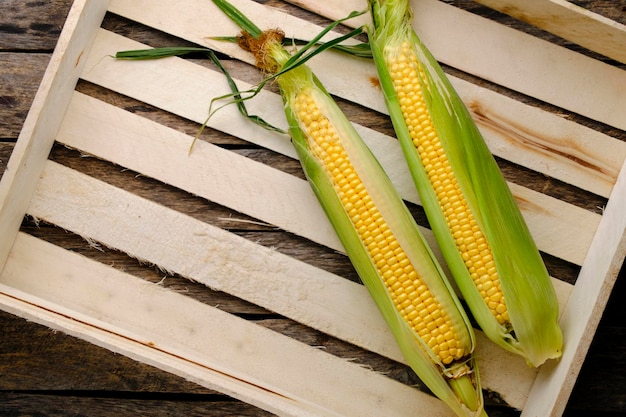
(78, 59)
(528, 206)
(375, 82)
(530, 140)
(520, 14)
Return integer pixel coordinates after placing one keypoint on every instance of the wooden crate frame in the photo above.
(156, 326)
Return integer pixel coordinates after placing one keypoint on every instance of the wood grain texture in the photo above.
(58, 375)
(32, 25)
(20, 75)
(102, 404)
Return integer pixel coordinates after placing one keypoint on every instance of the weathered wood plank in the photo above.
(33, 25)
(596, 389)
(20, 75)
(5, 152)
(102, 404)
(52, 354)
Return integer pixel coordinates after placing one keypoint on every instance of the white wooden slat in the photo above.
(523, 134)
(580, 319)
(202, 343)
(229, 263)
(547, 217)
(569, 21)
(560, 17)
(159, 152)
(45, 115)
(515, 60)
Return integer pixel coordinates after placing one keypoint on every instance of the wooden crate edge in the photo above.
(44, 118)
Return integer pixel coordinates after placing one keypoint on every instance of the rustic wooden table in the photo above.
(43, 372)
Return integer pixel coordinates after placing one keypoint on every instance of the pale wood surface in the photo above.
(599, 389)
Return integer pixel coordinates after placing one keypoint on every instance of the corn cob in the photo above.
(410, 295)
(383, 243)
(476, 221)
(377, 230)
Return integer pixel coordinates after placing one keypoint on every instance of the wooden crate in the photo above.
(548, 114)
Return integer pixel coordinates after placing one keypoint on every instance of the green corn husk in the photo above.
(532, 329)
(457, 383)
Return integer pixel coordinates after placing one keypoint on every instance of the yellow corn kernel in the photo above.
(470, 241)
(411, 297)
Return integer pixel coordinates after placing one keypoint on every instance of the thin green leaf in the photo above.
(157, 53)
(300, 57)
(238, 99)
(319, 36)
(231, 39)
(239, 18)
(361, 50)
